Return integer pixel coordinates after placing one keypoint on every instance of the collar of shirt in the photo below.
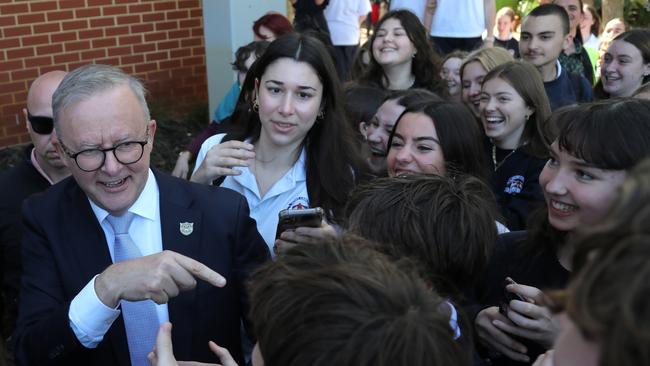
(287, 182)
(146, 206)
(559, 69)
(37, 166)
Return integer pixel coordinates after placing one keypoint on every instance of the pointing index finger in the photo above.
(200, 270)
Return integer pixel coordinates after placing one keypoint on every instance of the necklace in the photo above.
(494, 157)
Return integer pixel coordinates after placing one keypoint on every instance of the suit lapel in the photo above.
(181, 232)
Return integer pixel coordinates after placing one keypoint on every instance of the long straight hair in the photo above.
(333, 163)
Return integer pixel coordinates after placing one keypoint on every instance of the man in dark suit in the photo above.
(40, 168)
(98, 248)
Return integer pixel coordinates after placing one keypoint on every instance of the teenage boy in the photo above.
(544, 34)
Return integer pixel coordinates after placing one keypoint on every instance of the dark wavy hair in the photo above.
(242, 54)
(445, 225)
(426, 62)
(461, 139)
(611, 134)
(332, 160)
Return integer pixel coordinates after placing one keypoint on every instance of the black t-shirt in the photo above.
(512, 45)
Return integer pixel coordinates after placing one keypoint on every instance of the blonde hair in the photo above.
(489, 58)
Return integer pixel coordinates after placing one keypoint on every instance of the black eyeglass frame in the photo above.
(42, 125)
(73, 155)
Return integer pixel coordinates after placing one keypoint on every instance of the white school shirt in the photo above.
(89, 318)
(414, 6)
(289, 192)
(458, 19)
(343, 20)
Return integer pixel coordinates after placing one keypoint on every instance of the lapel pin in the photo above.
(186, 228)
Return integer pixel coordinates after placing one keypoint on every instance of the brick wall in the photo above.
(157, 40)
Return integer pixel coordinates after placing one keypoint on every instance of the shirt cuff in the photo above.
(89, 318)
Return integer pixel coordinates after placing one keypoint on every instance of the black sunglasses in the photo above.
(41, 125)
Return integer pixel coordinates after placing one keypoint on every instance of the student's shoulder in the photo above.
(581, 87)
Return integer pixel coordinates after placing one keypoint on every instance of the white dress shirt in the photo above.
(89, 318)
(289, 192)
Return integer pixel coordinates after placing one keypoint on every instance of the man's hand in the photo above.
(163, 353)
(156, 277)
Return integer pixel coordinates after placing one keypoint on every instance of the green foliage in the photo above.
(173, 134)
(637, 13)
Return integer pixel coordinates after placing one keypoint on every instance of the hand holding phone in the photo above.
(292, 219)
(509, 296)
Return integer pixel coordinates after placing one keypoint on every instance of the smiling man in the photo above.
(108, 252)
(544, 34)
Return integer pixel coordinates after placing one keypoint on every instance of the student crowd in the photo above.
(484, 200)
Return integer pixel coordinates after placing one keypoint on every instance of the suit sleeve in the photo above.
(250, 253)
(10, 229)
(43, 335)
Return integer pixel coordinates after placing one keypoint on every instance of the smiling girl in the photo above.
(450, 73)
(514, 108)
(436, 137)
(473, 70)
(597, 144)
(626, 65)
(401, 57)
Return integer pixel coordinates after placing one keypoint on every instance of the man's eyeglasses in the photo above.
(40, 124)
(126, 153)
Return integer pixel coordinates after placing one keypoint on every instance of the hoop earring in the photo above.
(320, 115)
(256, 105)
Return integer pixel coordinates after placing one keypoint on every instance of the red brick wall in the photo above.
(159, 41)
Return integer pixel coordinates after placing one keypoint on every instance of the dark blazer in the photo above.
(16, 184)
(64, 247)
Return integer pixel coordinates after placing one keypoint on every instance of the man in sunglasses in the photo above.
(41, 168)
(119, 248)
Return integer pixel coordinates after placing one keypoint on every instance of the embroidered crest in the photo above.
(515, 184)
(186, 228)
(298, 204)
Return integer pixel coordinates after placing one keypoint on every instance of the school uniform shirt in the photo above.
(289, 192)
(458, 19)
(513, 258)
(343, 20)
(567, 89)
(510, 44)
(415, 6)
(516, 185)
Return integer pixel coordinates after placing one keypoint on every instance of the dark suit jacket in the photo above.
(64, 247)
(16, 184)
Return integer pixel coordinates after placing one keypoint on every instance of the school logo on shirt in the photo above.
(515, 184)
(298, 204)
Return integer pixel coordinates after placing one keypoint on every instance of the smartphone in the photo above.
(509, 296)
(290, 219)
